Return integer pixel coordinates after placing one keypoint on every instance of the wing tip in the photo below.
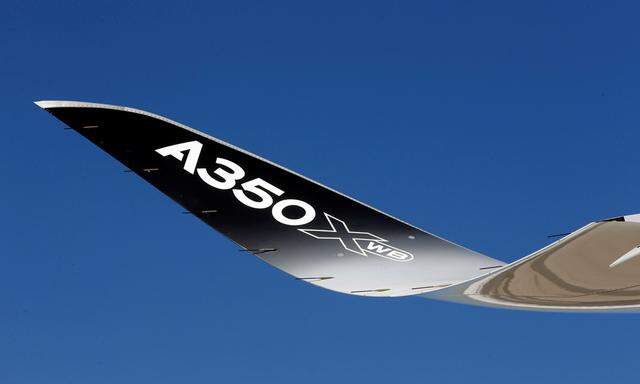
(42, 103)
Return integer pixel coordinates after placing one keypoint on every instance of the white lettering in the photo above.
(193, 148)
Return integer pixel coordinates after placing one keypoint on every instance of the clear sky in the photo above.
(490, 123)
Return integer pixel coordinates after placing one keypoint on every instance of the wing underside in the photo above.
(289, 221)
(325, 238)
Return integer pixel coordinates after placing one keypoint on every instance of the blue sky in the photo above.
(490, 123)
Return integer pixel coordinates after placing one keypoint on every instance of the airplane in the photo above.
(328, 239)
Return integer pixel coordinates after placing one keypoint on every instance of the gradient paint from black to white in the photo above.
(180, 161)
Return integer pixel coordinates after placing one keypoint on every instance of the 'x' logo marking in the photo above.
(339, 231)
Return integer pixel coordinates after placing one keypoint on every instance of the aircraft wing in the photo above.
(328, 239)
(291, 222)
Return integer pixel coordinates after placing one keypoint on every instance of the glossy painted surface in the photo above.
(344, 246)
